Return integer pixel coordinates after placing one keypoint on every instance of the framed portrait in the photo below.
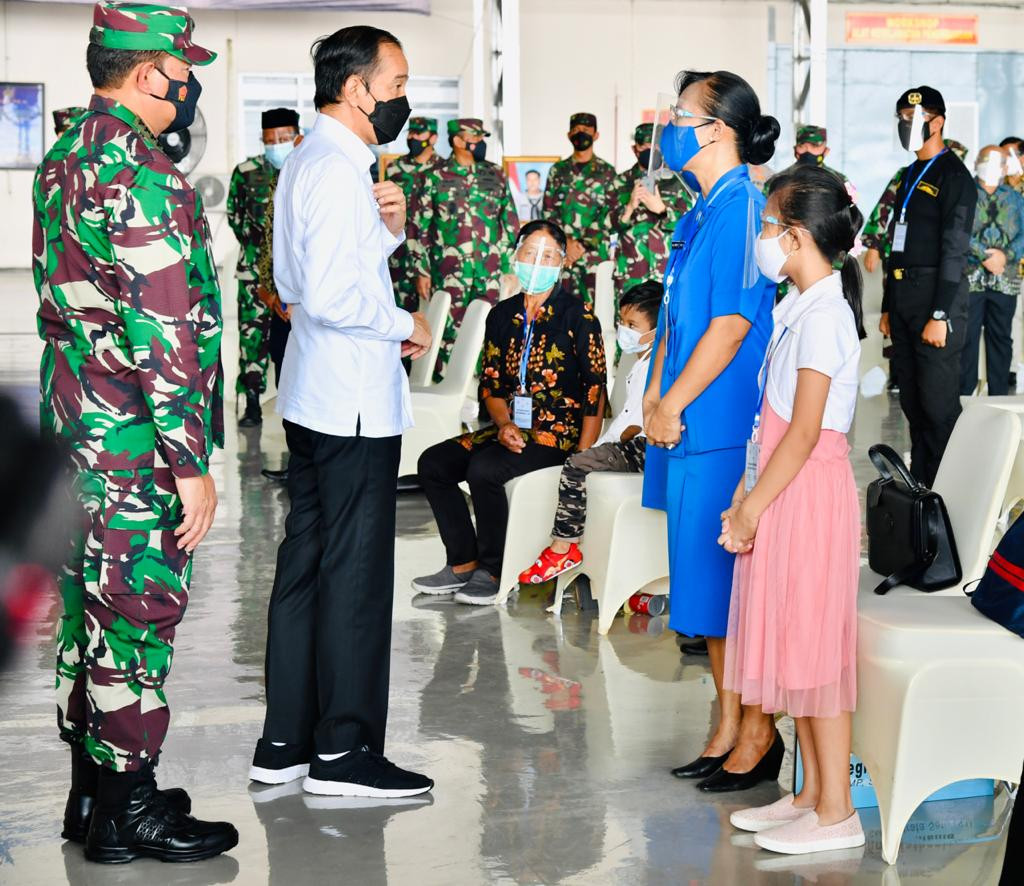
(527, 178)
(383, 163)
(21, 125)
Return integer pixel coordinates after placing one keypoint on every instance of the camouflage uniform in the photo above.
(279, 327)
(131, 382)
(644, 240)
(466, 227)
(818, 135)
(64, 117)
(408, 173)
(249, 193)
(578, 197)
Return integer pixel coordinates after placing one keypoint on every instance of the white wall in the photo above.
(611, 57)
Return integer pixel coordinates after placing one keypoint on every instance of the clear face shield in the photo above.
(990, 168)
(1014, 167)
(657, 169)
(538, 264)
(912, 128)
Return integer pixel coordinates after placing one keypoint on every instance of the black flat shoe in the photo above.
(79, 809)
(278, 476)
(767, 769)
(702, 767)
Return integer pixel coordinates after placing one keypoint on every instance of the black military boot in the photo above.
(85, 774)
(253, 416)
(133, 820)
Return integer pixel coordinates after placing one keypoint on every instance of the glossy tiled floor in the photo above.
(549, 744)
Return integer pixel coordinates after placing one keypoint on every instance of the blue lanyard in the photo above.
(762, 382)
(524, 361)
(913, 187)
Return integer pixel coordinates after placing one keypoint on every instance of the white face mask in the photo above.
(770, 257)
(990, 170)
(629, 339)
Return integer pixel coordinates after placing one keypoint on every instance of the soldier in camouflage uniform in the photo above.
(408, 172)
(812, 148)
(64, 117)
(643, 220)
(249, 194)
(131, 384)
(577, 197)
(465, 228)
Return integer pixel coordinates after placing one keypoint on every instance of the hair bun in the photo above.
(760, 146)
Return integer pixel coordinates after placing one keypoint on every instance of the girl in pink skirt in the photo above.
(795, 518)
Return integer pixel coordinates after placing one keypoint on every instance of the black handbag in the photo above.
(910, 539)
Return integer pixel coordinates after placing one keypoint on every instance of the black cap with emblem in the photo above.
(928, 98)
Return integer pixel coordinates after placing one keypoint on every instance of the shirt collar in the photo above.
(351, 144)
(103, 105)
(796, 304)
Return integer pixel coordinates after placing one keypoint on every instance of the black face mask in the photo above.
(417, 145)
(479, 151)
(184, 95)
(904, 129)
(388, 118)
(581, 141)
(644, 158)
(809, 159)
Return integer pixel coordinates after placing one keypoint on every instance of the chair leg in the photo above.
(895, 808)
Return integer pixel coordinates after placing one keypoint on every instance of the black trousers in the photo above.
(486, 468)
(994, 311)
(929, 378)
(329, 625)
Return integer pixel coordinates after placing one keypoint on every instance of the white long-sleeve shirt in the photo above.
(342, 367)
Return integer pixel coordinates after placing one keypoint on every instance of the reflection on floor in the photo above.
(549, 744)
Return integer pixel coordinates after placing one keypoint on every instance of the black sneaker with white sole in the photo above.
(363, 773)
(447, 581)
(480, 590)
(272, 764)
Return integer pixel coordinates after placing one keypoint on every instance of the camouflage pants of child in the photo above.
(124, 590)
(571, 514)
(463, 295)
(253, 339)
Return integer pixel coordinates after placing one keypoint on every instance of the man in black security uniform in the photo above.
(924, 301)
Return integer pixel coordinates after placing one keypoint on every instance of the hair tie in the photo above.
(837, 265)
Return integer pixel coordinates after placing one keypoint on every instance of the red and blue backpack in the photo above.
(1000, 593)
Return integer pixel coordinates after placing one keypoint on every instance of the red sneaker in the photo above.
(550, 565)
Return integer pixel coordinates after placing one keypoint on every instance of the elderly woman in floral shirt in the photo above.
(543, 385)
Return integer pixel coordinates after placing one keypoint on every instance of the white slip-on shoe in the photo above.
(760, 818)
(805, 835)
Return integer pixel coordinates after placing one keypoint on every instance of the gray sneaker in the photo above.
(444, 582)
(480, 590)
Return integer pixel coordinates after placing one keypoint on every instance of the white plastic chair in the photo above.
(973, 479)
(939, 701)
(604, 304)
(532, 500)
(1015, 489)
(422, 373)
(436, 410)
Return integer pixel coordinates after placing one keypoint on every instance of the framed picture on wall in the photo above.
(527, 178)
(21, 125)
(383, 163)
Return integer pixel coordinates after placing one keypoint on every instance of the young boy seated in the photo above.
(621, 448)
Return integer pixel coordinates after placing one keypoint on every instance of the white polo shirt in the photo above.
(342, 367)
(815, 330)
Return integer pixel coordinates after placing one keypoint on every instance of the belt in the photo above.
(910, 273)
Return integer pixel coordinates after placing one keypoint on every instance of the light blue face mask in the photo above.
(537, 278)
(277, 154)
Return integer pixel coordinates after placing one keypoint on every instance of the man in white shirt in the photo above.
(344, 397)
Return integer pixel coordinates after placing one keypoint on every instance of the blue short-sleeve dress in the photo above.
(710, 273)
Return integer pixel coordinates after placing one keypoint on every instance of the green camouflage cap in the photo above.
(956, 147)
(141, 26)
(423, 124)
(63, 118)
(472, 125)
(643, 134)
(582, 118)
(811, 135)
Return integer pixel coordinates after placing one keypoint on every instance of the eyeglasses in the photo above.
(544, 255)
(907, 116)
(682, 114)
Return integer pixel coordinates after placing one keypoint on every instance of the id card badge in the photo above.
(751, 469)
(899, 237)
(522, 411)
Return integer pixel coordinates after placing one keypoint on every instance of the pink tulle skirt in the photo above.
(792, 640)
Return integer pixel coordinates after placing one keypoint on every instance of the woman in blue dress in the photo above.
(703, 391)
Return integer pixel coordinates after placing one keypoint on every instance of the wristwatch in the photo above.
(940, 315)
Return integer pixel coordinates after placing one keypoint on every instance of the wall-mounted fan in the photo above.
(185, 148)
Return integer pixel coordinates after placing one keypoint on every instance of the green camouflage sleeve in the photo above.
(266, 254)
(876, 229)
(167, 284)
(236, 204)
(621, 190)
(551, 192)
(509, 228)
(420, 232)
